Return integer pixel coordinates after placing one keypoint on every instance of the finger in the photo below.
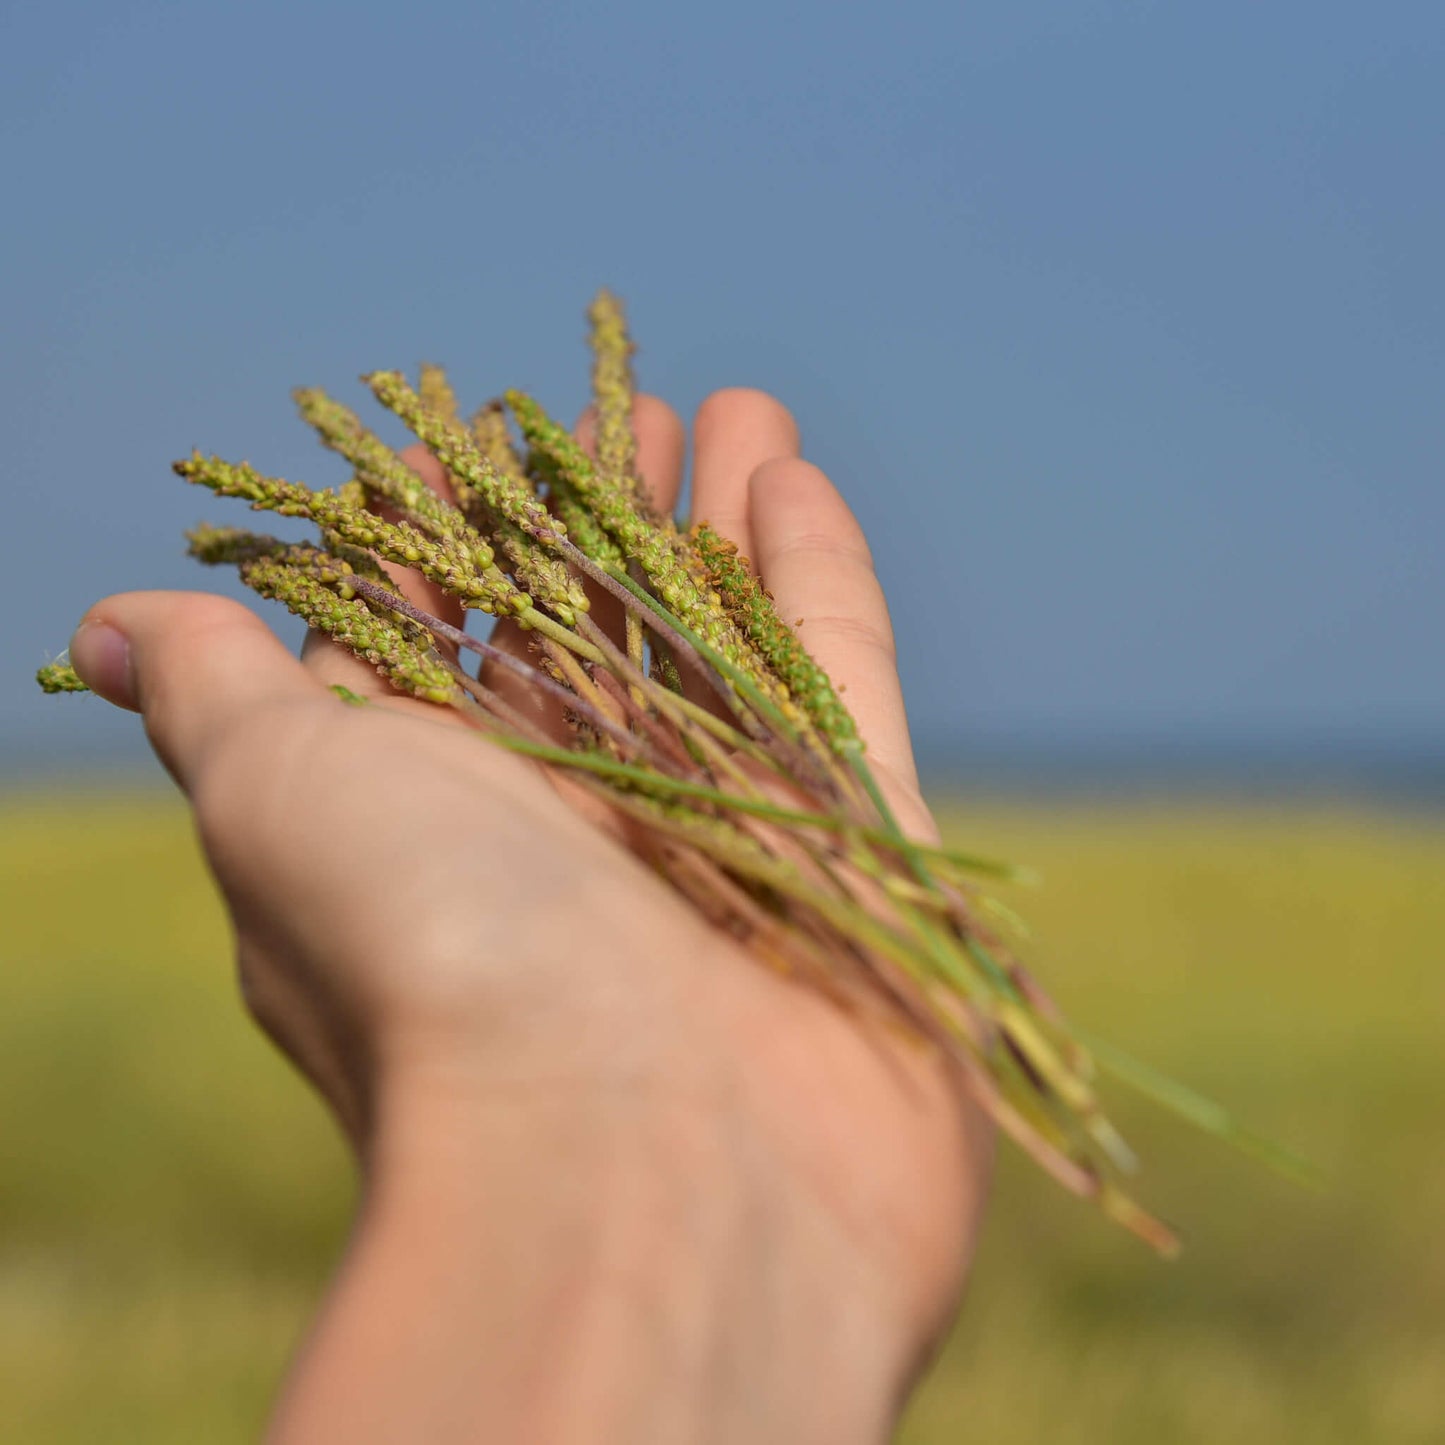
(191, 664)
(734, 433)
(336, 666)
(813, 557)
(661, 444)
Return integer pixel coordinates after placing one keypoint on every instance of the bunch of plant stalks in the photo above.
(701, 720)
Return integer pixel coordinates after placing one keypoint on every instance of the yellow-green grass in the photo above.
(171, 1199)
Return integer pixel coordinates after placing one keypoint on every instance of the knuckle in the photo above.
(162, 700)
(789, 474)
(818, 547)
(218, 793)
(856, 631)
(258, 1001)
(653, 413)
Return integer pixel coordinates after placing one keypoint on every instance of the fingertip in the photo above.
(654, 419)
(100, 655)
(752, 410)
(188, 661)
(735, 431)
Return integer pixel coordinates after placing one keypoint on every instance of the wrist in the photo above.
(621, 1270)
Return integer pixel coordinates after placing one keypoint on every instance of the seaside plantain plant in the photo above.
(703, 721)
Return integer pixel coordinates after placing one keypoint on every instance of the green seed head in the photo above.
(400, 651)
(59, 677)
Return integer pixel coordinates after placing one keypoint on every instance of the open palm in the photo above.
(418, 911)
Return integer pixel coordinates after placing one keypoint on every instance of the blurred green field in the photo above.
(171, 1199)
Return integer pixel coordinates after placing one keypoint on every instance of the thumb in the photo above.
(189, 663)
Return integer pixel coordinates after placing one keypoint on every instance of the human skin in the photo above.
(620, 1181)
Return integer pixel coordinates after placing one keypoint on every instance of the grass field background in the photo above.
(171, 1198)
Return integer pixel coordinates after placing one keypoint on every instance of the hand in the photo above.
(622, 1182)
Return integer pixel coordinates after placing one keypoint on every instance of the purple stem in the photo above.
(674, 639)
(622, 695)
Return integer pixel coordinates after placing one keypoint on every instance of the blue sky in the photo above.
(1122, 325)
